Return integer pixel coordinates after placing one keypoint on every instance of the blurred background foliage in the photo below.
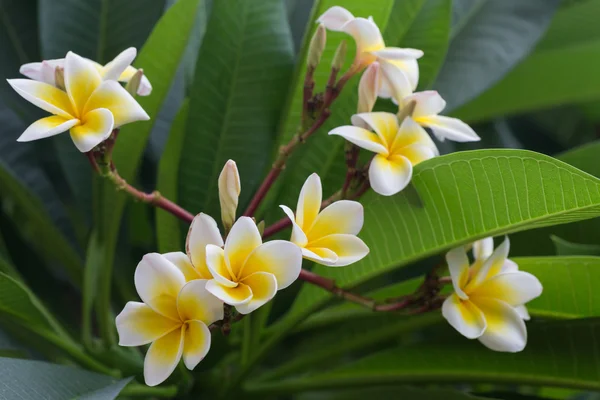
(524, 74)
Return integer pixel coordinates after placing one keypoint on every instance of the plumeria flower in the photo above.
(398, 148)
(428, 105)
(399, 67)
(489, 297)
(90, 108)
(327, 237)
(247, 273)
(174, 317)
(119, 69)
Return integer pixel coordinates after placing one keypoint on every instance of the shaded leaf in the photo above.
(566, 248)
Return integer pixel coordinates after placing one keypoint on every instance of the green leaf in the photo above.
(400, 392)
(562, 354)
(28, 380)
(569, 50)
(488, 38)
(168, 227)
(241, 77)
(464, 197)
(566, 248)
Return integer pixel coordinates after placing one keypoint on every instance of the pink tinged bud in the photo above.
(229, 192)
(316, 47)
(368, 88)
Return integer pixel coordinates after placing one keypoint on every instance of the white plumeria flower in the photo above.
(398, 148)
(118, 69)
(327, 237)
(90, 108)
(174, 317)
(428, 105)
(399, 68)
(489, 297)
(247, 272)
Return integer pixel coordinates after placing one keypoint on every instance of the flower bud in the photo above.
(406, 111)
(261, 227)
(339, 56)
(316, 47)
(368, 88)
(229, 192)
(59, 78)
(134, 83)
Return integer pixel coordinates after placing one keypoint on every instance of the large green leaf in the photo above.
(398, 392)
(562, 354)
(463, 197)
(561, 70)
(33, 380)
(488, 38)
(241, 77)
(566, 248)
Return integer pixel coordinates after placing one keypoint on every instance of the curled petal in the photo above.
(492, 266)
(112, 96)
(203, 231)
(298, 236)
(449, 128)
(46, 127)
(427, 103)
(348, 248)
(138, 324)
(95, 127)
(320, 255)
(215, 261)
(44, 96)
(196, 303)
(234, 296)
(483, 248)
(509, 266)
(384, 124)
(365, 33)
(335, 18)
(389, 176)
(280, 258)
(513, 288)
(182, 262)
(398, 80)
(464, 316)
(343, 216)
(243, 238)
(368, 88)
(505, 330)
(522, 311)
(396, 53)
(42, 71)
(163, 356)
(264, 288)
(458, 265)
(362, 138)
(309, 202)
(114, 69)
(81, 80)
(196, 343)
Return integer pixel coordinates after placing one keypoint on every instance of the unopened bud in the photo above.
(134, 83)
(261, 227)
(59, 78)
(407, 110)
(317, 45)
(368, 88)
(229, 192)
(339, 56)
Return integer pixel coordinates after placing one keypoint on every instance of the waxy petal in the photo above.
(280, 258)
(464, 316)
(505, 330)
(196, 303)
(416, 153)
(264, 288)
(183, 263)
(196, 343)
(411, 133)
(343, 216)
(335, 18)
(114, 69)
(163, 356)
(145, 87)
(365, 33)
(427, 103)
(309, 202)
(458, 265)
(112, 96)
(362, 138)
(348, 248)
(397, 81)
(298, 236)
(522, 311)
(389, 176)
(397, 53)
(449, 128)
(513, 288)
(158, 283)
(320, 255)
(384, 124)
(491, 267)
(138, 324)
(94, 128)
(42, 71)
(368, 88)
(44, 96)
(81, 80)
(483, 248)
(46, 127)
(233, 296)
(243, 238)
(215, 261)
(203, 231)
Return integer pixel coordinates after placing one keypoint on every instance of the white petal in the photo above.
(492, 266)
(145, 87)
(522, 311)
(309, 202)
(138, 324)
(450, 128)
(196, 343)
(348, 248)
(365, 33)
(234, 296)
(81, 80)
(389, 177)
(335, 18)
(114, 69)
(410, 134)
(361, 137)
(182, 262)
(505, 330)
(280, 258)
(196, 303)
(97, 128)
(384, 124)
(395, 82)
(298, 236)
(264, 288)
(464, 316)
(509, 266)
(320, 255)
(46, 127)
(458, 265)
(42, 71)
(368, 88)
(158, 283)
(112, 96)
(514, 288)
(427, 103)
(203, 231)
(243, 238)
(44, 96)
(343, 216)
(215, 261)
(483, 248)
(396, 53)
(162, 357)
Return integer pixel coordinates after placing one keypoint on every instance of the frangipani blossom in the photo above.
(398, 148)
(399, 68)
(327, 237)
(247, 272)
(489, 297)
(118, 69)
(174, 317)
(428, 105)
(90, 107)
